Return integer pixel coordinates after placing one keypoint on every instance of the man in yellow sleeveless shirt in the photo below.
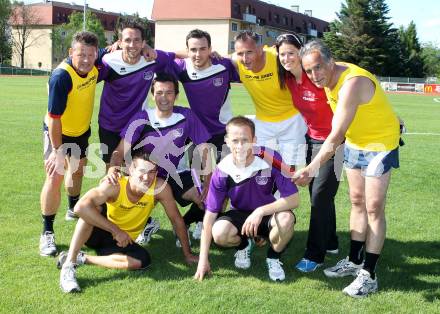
(67, 130)
(113, 231)
(277, 121)
(365, 119)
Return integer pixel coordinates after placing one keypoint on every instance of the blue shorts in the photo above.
(371, 163)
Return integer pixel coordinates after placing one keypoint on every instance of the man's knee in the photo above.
(54, 181)
(284, 221)
(357, 198)
(375, 208)
(221, 232)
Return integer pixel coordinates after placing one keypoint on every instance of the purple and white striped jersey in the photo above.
(207, 91)
(126, 87)
(165, 139)
(247, 187)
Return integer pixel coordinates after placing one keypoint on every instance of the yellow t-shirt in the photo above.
(128, 216)
(375, 126)
(76, 118)
(272, 104)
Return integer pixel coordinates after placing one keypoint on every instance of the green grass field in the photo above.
(408, 270)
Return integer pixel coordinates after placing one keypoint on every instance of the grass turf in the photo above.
(408, 270)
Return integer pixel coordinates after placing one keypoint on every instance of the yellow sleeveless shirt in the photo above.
(272, 104)
(76, 118)
(128, 216)
(375, 126)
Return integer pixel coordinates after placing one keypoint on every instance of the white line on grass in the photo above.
(419, 133)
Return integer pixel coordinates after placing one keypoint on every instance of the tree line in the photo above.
(361, 34)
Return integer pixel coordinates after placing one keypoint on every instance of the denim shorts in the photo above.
(371, 163)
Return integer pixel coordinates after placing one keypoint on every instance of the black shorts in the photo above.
(103, 243)
(238, 217)
(178, 191)
(75, 146)
(219, 141)
(109, 141)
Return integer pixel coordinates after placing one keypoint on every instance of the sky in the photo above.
(424, 13)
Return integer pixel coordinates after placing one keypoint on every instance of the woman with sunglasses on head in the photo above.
(311, 102)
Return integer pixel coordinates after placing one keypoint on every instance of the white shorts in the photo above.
(287, 137)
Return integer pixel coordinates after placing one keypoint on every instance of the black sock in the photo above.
(194, 214)
(273, 254)
(48, 222)
(356, 251)
(243, 244)
(148, 220)
(72, 201)
(370, 263)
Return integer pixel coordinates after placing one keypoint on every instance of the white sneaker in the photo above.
(243, 257)
(68, 281)
(47, 244)
(362, 286)
(70, 215)
(178, 244)
(276, 271)
(197, 232)
(343, 268)
(145, 236)
(80, 259)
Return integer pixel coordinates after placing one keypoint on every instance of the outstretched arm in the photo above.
(354, 92)
(203, 268)
(165, 197)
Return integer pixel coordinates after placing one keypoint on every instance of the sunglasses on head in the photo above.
(289, 37)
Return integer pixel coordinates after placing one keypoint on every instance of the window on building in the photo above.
(286, 20)
(234, 27)
(291, 21)
(277, 18)
(270, 16)
(232, 45)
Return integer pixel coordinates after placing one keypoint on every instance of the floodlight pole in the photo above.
(84, 16)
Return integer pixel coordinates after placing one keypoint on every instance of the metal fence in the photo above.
(8, 70)
(421, 80)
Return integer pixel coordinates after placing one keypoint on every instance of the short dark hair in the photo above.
(165, 77)
(291, 39)
(198, 33)
(140, 153)
(130, 23)
(247, 35)
(241, 121)
(86, 38)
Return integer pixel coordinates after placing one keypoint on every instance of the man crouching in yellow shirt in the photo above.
(112, 232)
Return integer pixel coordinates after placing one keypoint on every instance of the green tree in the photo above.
(5, 42)
(431, 59)
(62, 34)
(22, 20)
(363, 35)
(411, 51)
(149, 39)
